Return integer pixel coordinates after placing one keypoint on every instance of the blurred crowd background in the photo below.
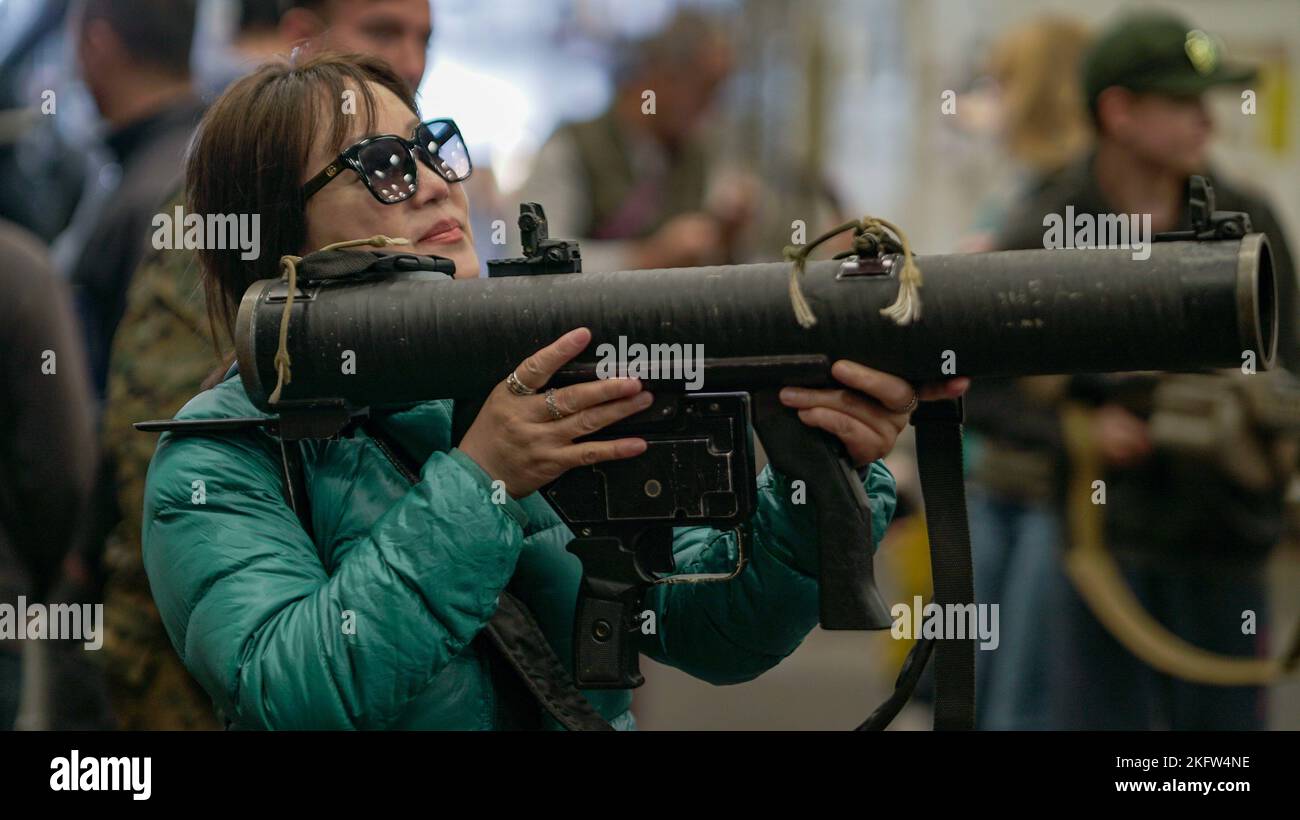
(944, 116)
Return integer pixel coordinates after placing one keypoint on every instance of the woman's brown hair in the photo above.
(250, 156)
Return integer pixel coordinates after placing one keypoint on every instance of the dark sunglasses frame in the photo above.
(350, 158)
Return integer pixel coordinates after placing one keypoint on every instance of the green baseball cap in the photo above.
(1157, 52)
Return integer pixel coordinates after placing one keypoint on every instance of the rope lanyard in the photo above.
(289, 271)
(870, 236)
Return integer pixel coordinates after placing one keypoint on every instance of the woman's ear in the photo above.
(1114, 106)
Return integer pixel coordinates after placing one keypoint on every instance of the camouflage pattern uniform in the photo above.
(161, 353)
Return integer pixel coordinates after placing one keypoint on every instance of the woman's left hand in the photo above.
(869, 415)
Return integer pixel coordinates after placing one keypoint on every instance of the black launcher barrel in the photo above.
(1189, 306)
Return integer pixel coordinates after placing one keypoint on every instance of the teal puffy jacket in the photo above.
(374, 625)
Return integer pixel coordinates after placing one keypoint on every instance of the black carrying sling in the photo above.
(939, 461)
(515, 634)
(943, 486)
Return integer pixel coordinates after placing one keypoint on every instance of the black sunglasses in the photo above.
(387, 163)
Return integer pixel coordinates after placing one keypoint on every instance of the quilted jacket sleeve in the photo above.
(276, 639)
(732, 632)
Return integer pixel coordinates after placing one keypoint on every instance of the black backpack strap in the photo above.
(514, 631)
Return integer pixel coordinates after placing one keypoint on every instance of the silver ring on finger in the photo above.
(517, 387)
(556, 412)
(911, 405)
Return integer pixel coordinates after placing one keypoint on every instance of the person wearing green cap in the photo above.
(1159, 54)
(1190, 532)
(1145, 80)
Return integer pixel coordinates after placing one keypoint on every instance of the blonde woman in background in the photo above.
(1030, 97)
(1036, 108)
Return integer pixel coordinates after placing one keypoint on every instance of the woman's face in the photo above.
(435, 218)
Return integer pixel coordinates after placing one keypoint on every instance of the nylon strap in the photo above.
(939, 461)
(514, 631)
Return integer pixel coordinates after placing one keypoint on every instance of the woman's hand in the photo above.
(869, 416)
(518, 440)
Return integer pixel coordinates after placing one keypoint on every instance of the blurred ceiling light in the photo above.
(493, 113)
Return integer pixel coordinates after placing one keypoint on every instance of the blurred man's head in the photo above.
(397, 31)
(125, 47)
(1161, 129)
(260, 17)
(1145, 78)
(684, 65)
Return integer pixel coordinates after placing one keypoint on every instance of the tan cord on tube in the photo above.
(289, 270)
(1097, 577)
(906, 307)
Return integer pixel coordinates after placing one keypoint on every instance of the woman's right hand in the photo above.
(517, 440)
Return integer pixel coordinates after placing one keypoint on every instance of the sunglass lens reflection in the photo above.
(389, 169)
(444, 144)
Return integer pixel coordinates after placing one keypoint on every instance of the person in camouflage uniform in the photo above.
(161, 354)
